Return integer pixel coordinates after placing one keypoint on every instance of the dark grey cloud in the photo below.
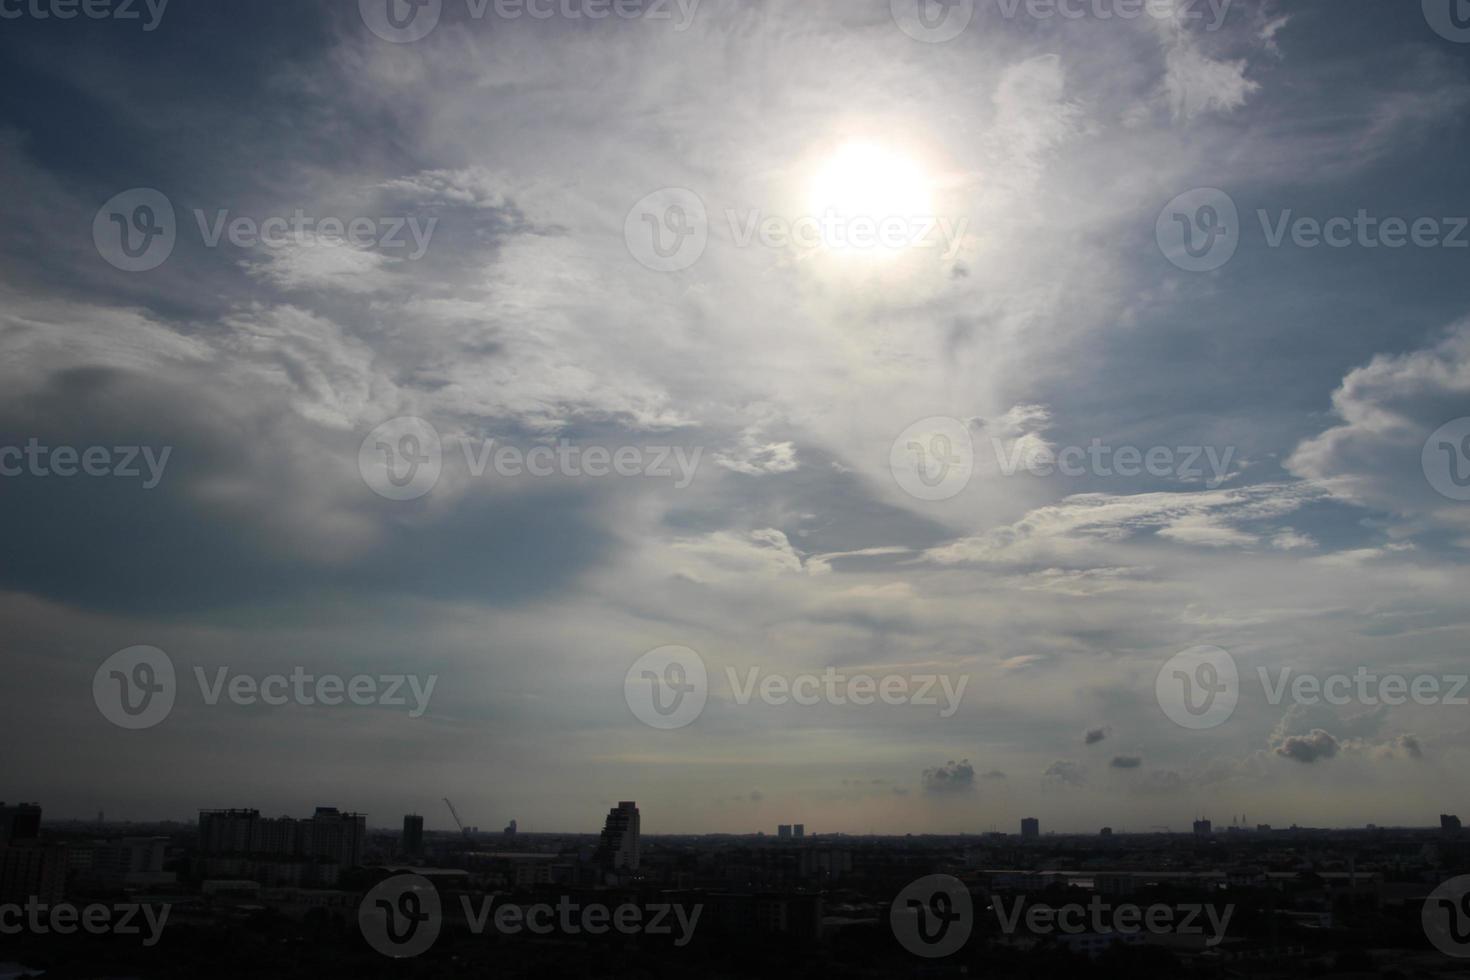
(1410, 745)
(112, 544)
(952, 777)
(1126, 762)
(1066, 773)
(1094, 735)
(1308, 748)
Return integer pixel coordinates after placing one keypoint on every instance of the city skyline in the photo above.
(1237, 823)
(1374, 898)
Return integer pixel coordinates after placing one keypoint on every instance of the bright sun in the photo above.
(869, 198)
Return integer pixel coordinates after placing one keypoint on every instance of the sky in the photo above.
(343, 301)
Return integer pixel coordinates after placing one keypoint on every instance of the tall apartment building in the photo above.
(1030, 828)
(124, 862)
(331, 835)
(19, 821)
(413, 834)
(798, 830)
(31, 868)
(281, 849)
(783, 831)
(618, 848)
(28, 867)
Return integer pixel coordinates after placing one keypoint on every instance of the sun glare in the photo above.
(869, 198)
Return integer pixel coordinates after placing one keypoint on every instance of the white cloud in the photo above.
(1388, 410)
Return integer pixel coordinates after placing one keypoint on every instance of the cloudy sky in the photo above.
(835, 454)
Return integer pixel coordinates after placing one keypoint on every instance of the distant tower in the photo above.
(510, 829)
(413, 834)
(798, 830)
(1030, 828)
(1449, 825)
(618, 848)
(1202, 828)
(783, 831)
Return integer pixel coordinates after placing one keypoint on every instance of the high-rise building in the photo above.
(413, 834)
(125, 862)
(1030, 828)
(1203, 828)
(32, 868)
(328, 835)
(1449, 825)
(618, 848)
(783, 831)
(335, 836)
(29, 867)
(798, 830)
(21, 821)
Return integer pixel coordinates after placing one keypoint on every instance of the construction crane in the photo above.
(455, 814)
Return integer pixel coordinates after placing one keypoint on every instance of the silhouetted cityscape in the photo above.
(1241, 901)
